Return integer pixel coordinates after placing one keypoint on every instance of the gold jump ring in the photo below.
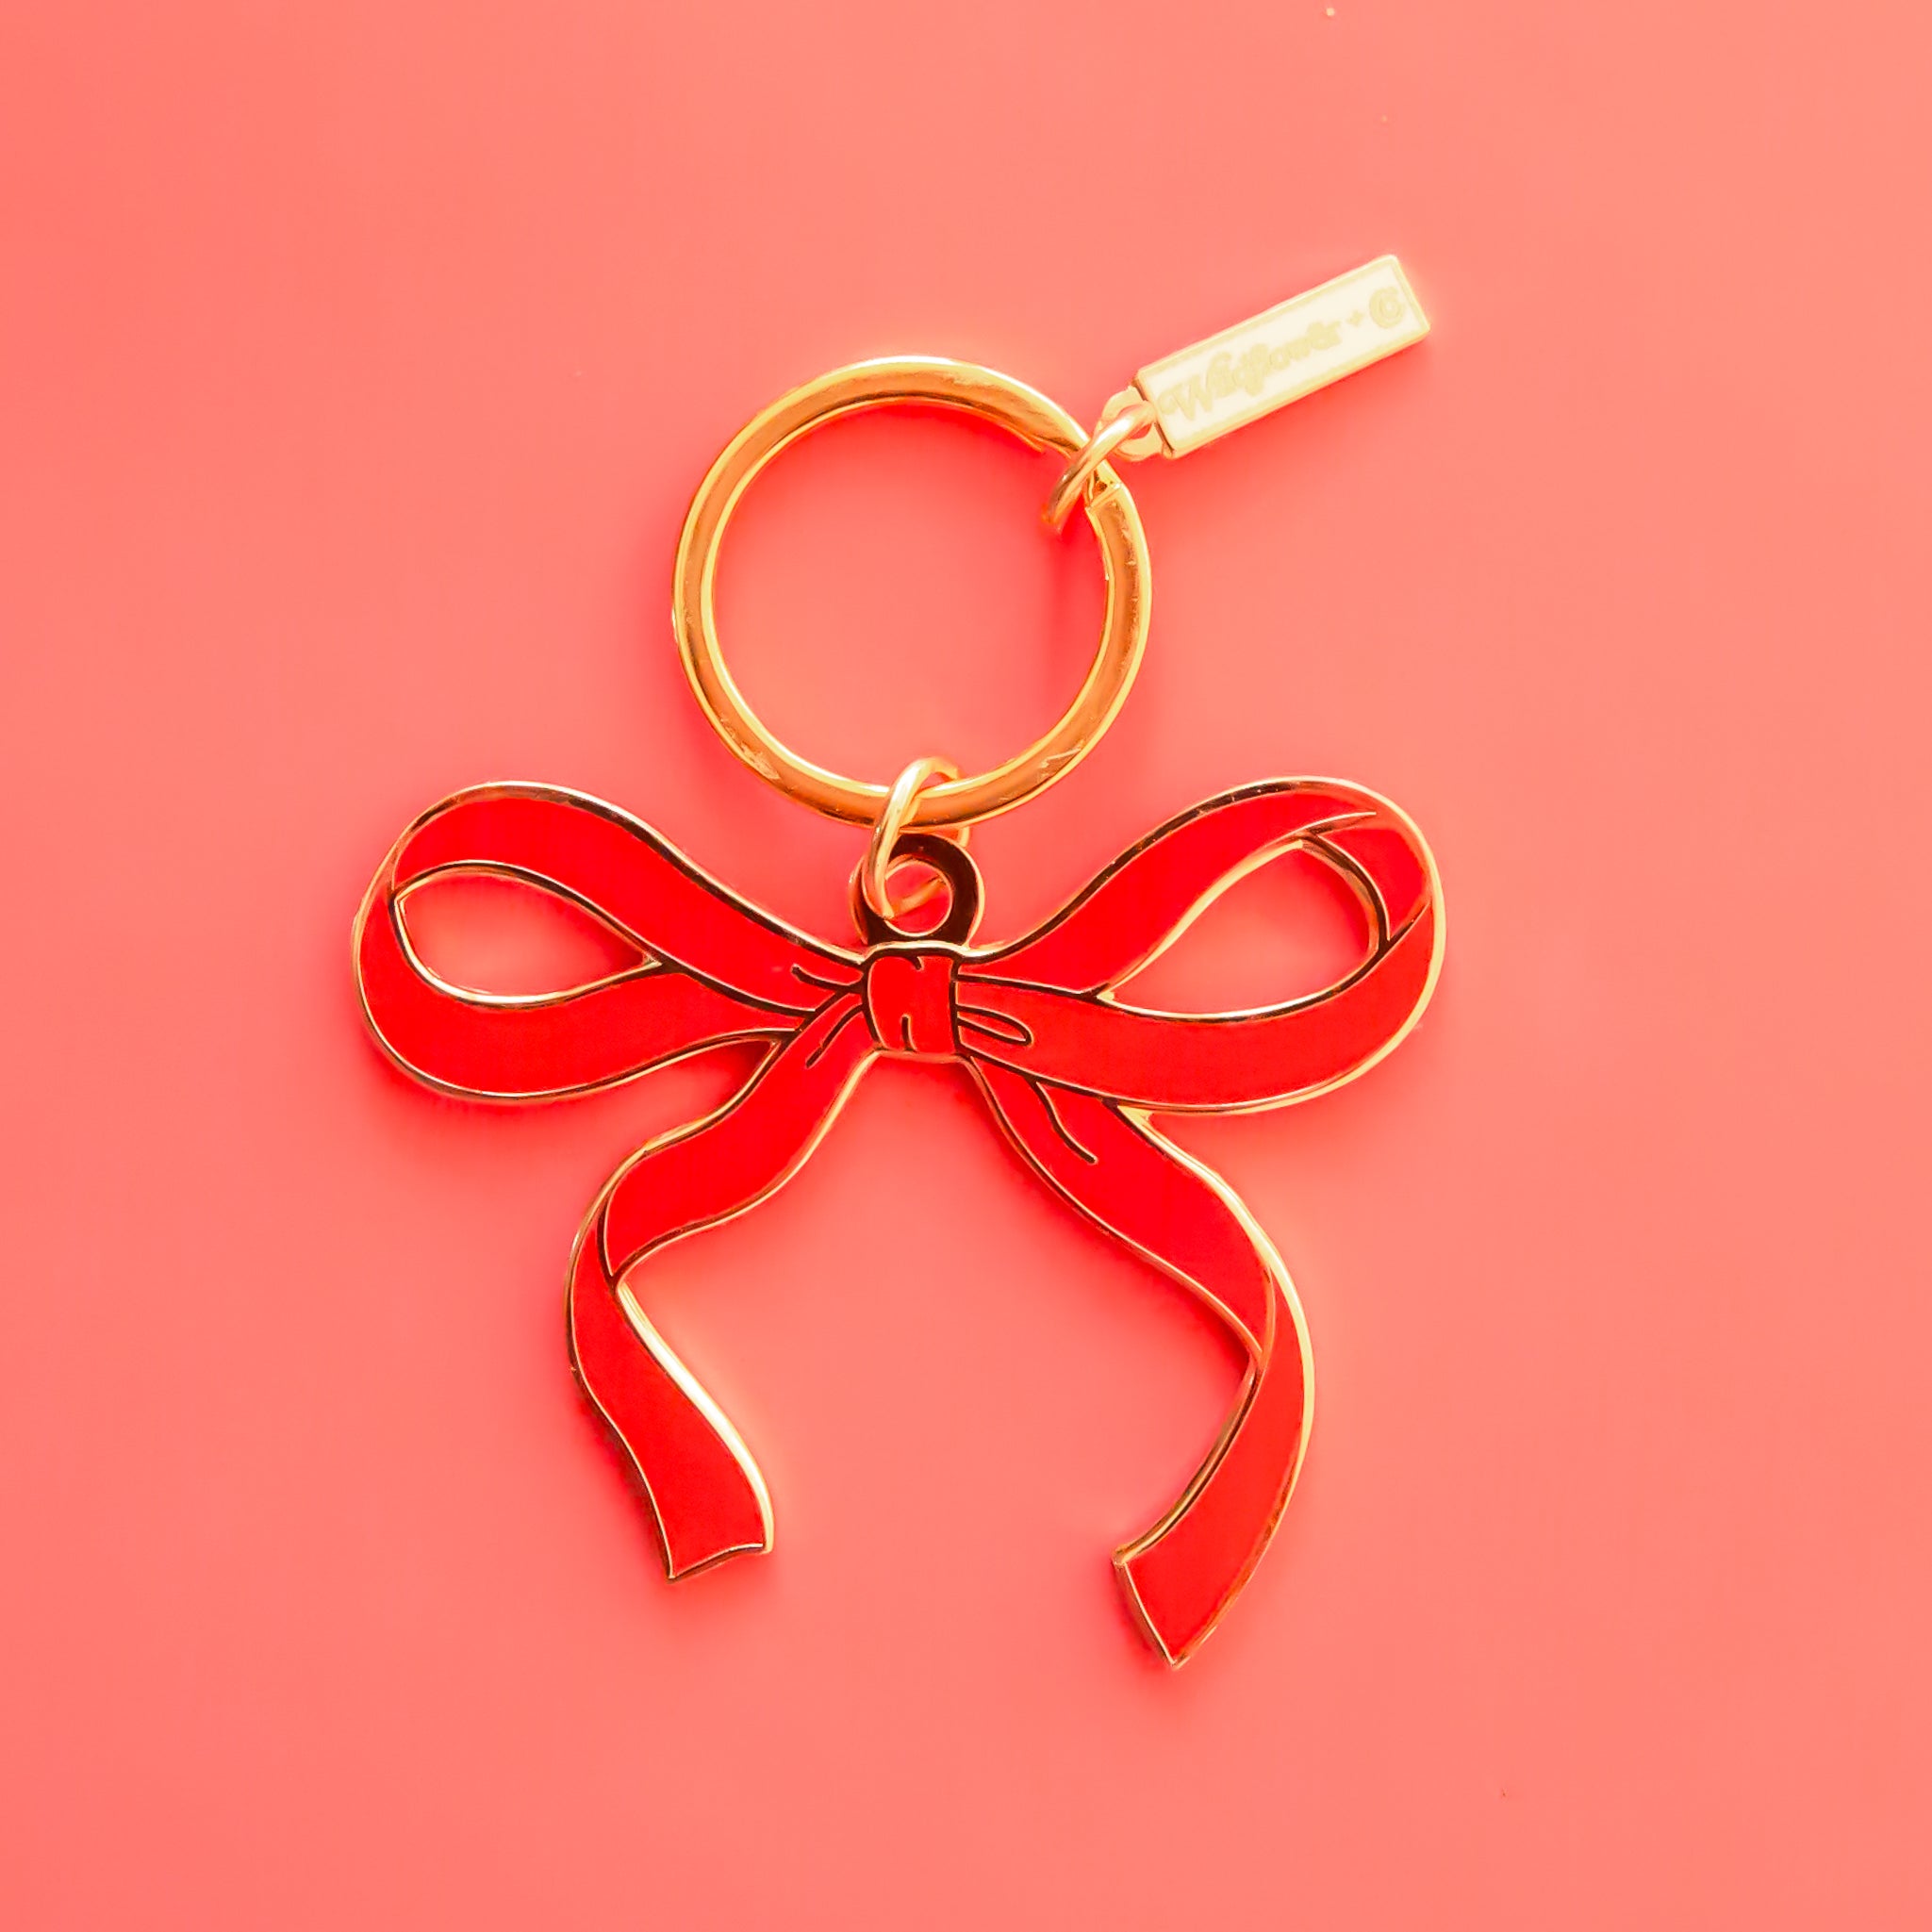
(1107, 436)
(875, 870)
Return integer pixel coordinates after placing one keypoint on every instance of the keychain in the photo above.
(1068, 1070)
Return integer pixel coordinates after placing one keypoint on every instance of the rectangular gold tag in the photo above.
(1295, 347)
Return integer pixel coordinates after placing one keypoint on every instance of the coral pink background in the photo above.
(357, 361)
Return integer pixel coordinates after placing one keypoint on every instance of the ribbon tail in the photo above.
(707, 1494)
(1181, 1574)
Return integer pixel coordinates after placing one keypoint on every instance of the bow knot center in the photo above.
(909, 1002)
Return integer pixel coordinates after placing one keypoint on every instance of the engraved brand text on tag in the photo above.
(1293, 348)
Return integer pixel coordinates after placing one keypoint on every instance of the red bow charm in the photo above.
(1070, 1072)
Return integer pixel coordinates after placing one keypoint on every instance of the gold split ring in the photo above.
(1025, 413)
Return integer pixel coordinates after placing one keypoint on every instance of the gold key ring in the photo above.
(1014, 408)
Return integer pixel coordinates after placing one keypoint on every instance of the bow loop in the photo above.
(1055, 987)
(630, 877)
(714, 969)
(1139, 905)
